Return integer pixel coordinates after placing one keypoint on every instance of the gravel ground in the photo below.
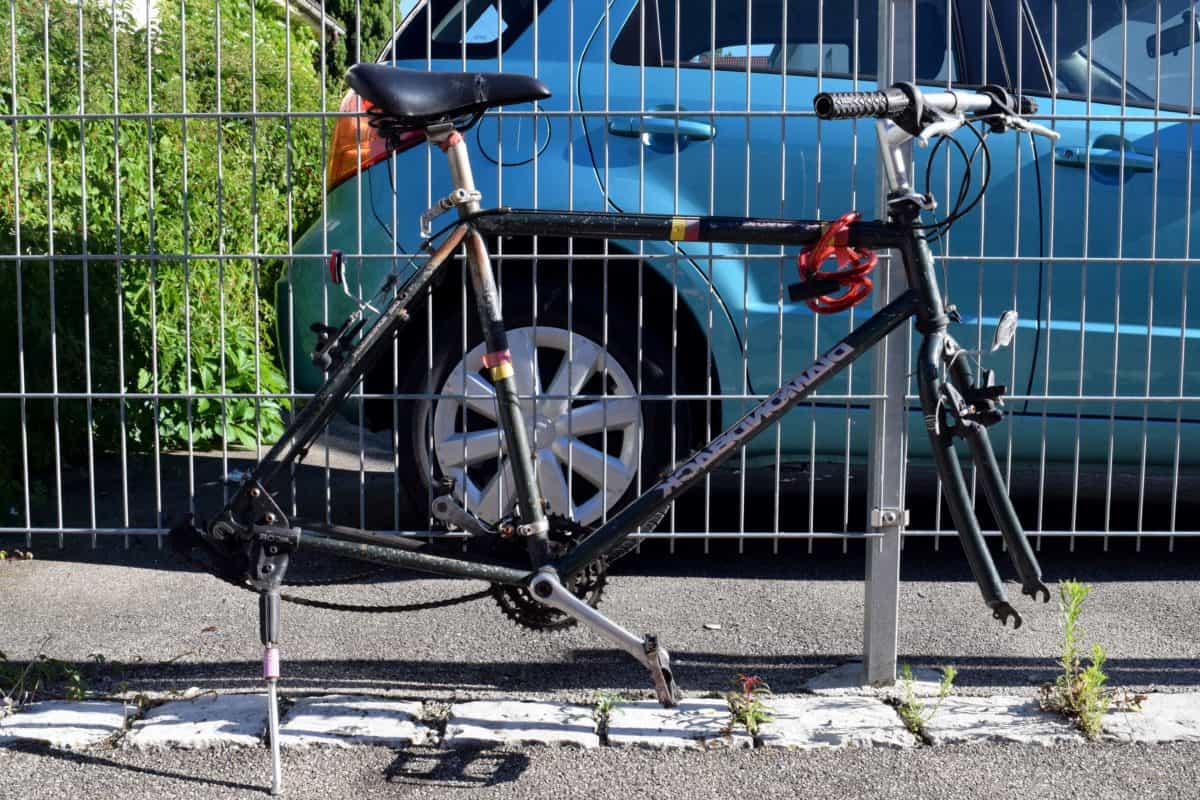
(786, 617)
(995, 771)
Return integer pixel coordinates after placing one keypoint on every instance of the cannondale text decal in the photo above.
(749, 423)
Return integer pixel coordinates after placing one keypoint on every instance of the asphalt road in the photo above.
(1099, 772)
(785, 616)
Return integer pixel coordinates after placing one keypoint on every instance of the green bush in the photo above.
(150, 188)
(368, 28)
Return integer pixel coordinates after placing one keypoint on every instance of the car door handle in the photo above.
(690, 129)
(1081, 157)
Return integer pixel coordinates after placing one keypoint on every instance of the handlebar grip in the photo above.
(849, 105)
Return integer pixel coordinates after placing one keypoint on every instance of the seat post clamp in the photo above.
(459, 197)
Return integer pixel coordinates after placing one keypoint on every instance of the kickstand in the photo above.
(268, 629)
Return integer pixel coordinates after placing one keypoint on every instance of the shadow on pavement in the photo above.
(91, 759)
(589, 669)
(456, 769)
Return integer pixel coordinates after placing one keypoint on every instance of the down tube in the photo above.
(757, 420)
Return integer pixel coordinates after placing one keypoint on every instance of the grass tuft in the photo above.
(747, 704)
(1079, 693)
(914, 712)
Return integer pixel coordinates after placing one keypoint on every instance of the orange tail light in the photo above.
(356, 144)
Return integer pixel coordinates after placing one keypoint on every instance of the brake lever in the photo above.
(1022, 124)
(945, 125)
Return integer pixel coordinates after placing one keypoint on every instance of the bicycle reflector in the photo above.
(356, 145)
(337, 266)
(819, 289)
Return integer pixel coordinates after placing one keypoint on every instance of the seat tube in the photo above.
(532, 522)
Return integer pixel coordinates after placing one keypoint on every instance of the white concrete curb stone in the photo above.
(60, 723)
(495, 723)
(847, 681)
(1162, 718)
(695, 724)
(346, 720)
(236, 720)
(807, 723)
(1020, 720)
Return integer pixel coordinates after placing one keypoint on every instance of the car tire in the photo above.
(594, 450)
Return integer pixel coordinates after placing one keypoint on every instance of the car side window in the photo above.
(1157, 61)
(457, 28)
(774, 36)
(1111, 52)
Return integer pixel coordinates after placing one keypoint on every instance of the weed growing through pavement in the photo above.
(1079, 691)
(604, 705)
(42, 676)
(913, 710)
(747, 704)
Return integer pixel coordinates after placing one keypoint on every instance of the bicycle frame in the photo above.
(922, 300)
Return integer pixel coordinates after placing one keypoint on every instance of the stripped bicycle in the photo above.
(547, 572)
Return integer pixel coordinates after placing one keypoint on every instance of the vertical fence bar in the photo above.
(885, 473)
(50, 268)
(18, 267)
(119, 270)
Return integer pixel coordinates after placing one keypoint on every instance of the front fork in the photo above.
(955, 405)
(948, 410)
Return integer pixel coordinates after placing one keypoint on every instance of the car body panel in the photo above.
(1099, 336)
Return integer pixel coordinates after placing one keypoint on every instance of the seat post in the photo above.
(532, 520)
(451, 142)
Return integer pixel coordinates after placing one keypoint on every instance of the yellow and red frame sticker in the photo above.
(684, 229)
(498, 364)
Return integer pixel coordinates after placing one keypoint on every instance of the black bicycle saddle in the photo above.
(415, 98)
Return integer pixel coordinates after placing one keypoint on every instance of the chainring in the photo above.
(521, 607)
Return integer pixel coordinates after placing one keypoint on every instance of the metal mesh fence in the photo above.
(178, 174)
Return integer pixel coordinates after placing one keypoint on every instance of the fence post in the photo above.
(888, 450)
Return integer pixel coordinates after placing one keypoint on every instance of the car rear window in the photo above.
(440, 29)
(749, 35)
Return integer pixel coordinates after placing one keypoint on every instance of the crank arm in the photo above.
(546, 588)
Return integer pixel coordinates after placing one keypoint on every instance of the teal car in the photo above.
(711, 114)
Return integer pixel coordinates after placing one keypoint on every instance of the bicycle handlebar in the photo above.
(1000, 108)
(855, 105)
(895, 101)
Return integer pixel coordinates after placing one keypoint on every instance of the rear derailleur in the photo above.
(248, 545)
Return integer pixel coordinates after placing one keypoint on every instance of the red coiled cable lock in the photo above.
(854, 267)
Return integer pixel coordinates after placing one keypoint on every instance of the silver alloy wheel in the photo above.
(587, 447)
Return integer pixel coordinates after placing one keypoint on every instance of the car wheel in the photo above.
(596, 442)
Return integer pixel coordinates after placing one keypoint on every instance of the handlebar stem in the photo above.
(892, 138)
